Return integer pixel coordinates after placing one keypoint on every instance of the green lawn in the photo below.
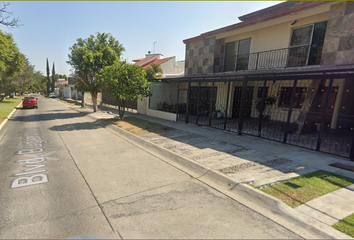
(307, 187)
(7, 106)
(346, 225)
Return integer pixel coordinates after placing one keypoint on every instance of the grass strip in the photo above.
(346, 225)
(7, 106)
(304, 188)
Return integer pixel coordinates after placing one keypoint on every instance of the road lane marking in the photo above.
(33, 144)
(29, 180)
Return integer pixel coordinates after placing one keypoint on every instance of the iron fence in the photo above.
(106, 99)
(312, 112)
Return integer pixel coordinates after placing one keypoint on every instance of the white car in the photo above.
(52, 95)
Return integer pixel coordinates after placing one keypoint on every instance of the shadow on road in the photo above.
(78, 126)
(35, 117)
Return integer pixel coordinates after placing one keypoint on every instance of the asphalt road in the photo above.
(63, 175)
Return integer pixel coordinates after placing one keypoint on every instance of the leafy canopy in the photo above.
(89, 57)
(11, 59)
(154, 71)
(125, 81)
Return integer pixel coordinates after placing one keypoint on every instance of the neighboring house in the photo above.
(170, 67)
(284, 73)
(66, 88)
(62, 88)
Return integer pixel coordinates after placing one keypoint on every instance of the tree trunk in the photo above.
(121, 108)
(94, 100)
(48, 86)
(83, 99)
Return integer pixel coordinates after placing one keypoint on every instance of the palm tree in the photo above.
(154, 72)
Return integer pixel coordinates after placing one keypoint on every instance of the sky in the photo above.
(50, 28)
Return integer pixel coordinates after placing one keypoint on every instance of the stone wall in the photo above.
(200, 57)
(338, 46)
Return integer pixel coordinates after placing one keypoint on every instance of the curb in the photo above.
(258, 201)
(8, 117)
(264, 204)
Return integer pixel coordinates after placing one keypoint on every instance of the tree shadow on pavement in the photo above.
(47, 116)
(78, 126)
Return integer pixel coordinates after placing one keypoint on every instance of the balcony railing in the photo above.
(279, 58)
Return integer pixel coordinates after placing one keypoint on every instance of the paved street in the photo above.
(64, 175)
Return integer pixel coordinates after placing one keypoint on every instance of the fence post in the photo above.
(188, 96)
(242, 105)
(211, 104)
(323, 118)
(198, 101)
(287, 125)
(177, 99)
(351, 153)
(262, 107)
(227, 103)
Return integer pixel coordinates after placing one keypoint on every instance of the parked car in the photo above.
(52, 95)
(29, 102)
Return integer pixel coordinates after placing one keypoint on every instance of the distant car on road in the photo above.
(52, 95)
(29, 102)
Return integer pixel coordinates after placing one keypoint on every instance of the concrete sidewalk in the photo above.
(249, 160)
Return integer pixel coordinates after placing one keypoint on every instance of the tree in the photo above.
(48, 79)
(6, 17)
(125, 82)
(22, 81)
(154, 71)
(11, 62)
(39, 82)
(53, 78)
(89, 56)
(80, 86)
(11, 59)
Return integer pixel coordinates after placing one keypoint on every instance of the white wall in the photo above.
(143, 108)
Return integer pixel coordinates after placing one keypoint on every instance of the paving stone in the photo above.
(322, 208)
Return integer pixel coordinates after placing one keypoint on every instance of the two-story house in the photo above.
(284, 73)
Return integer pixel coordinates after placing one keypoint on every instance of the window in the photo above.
(306, 44)
(285, 97)
(317, 43)
(237, 55)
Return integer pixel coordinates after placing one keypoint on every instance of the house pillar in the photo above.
(242, 105)
(262, 107)
(188, 96)
(227, 103)
(287, 125)
(324, 114)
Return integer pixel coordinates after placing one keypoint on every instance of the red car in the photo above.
(29, 102)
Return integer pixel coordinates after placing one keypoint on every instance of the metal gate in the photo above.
(315, 111)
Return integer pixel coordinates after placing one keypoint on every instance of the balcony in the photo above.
(273, 59)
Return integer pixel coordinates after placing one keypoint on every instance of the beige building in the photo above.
(290, 34)
(284, 73)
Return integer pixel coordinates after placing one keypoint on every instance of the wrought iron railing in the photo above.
(278, 58)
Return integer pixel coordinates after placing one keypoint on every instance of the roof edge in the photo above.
(283, 10)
